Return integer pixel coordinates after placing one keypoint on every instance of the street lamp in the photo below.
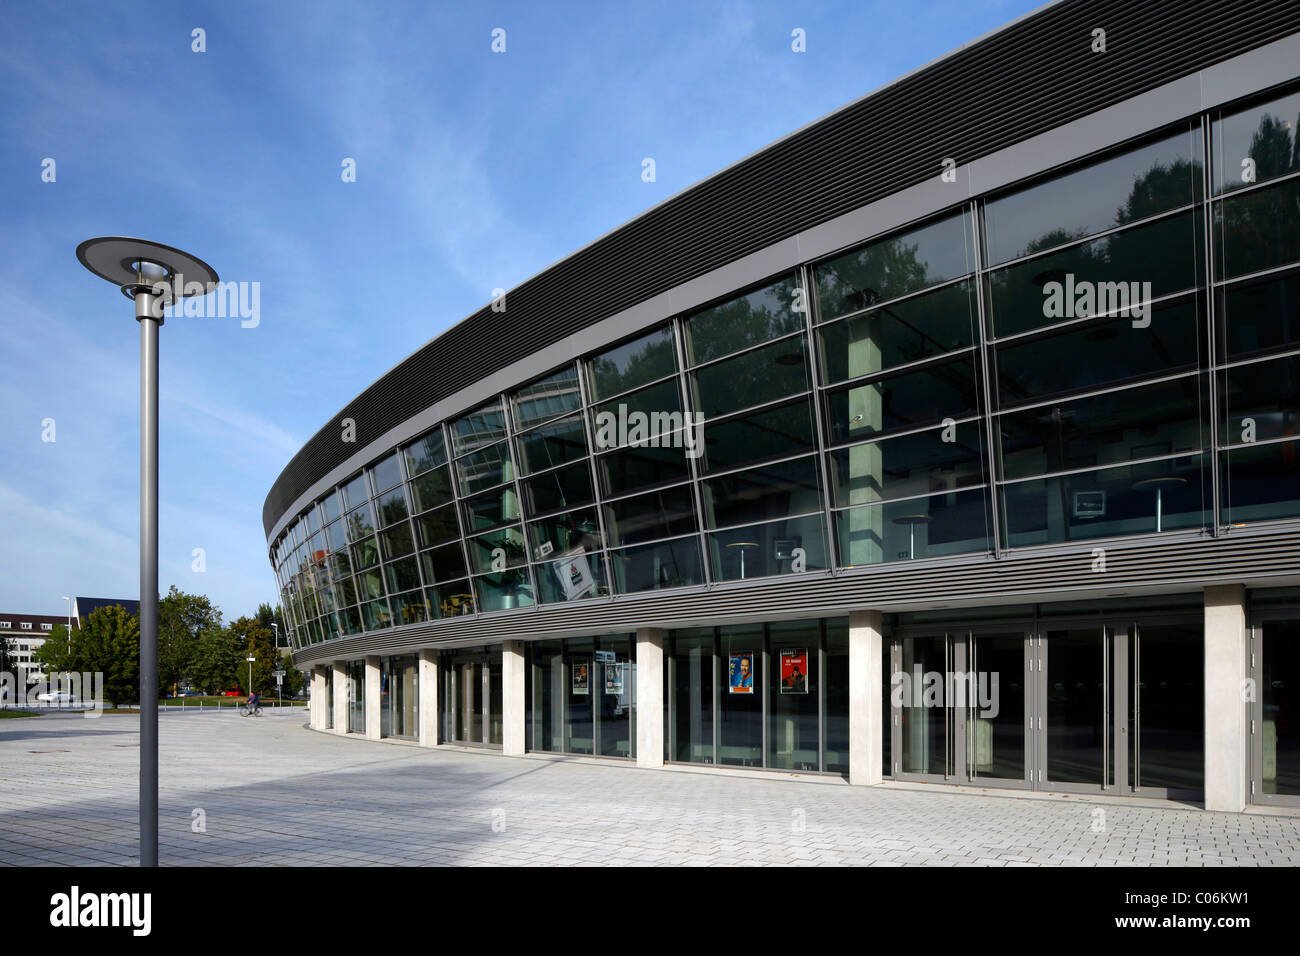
(151, 275)
(251, 661)
(275, 629)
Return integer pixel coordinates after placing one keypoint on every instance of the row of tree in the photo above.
(195, 649)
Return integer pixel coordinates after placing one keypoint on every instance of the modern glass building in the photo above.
(952, 438)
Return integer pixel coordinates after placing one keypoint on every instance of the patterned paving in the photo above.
(272, 792)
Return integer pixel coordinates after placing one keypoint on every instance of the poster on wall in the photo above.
(794, 671)
(740, 674)
(581, 670)
(614, 679)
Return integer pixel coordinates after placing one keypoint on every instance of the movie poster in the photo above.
(794, 671)
(740, 674)
(581, 672)
(614, 679)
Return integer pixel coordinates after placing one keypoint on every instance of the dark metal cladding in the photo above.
(1028, 78)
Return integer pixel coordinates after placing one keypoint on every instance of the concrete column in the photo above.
(1227, 764)
(428, 698)
(513, 708)
(649, 697)
(318, 701)
(866, 727)
(374, 697)
(340, 701)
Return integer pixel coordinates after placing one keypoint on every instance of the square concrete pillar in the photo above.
(513, 709)
(374, 697)
(1227, 764)
(340, 702)
(649, 697)
(866, 726)
(428, 698)
(317, 701)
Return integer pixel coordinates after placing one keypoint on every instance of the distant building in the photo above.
(26, 633)
(83, 606)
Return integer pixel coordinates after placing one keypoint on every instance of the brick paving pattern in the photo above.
(274, 793)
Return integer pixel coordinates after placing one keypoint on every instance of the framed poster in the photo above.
(740, 673)
(581, 674)
(614, 679)
(794, 670)
(575, 577)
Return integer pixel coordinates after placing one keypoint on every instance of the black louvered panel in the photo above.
(1029, 78)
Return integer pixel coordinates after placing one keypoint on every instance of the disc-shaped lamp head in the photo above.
(137, 265)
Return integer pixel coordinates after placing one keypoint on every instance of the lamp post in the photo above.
(275, 629)
(251, 660)
(152, 276)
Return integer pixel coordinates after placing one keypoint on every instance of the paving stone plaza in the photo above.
(269, 791)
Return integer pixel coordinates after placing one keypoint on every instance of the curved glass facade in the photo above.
(1109, 350)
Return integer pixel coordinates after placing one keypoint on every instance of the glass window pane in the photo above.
(789, 546)
(837, 697)
(659, 514)
(497, 549)
(1259, 316)
(370, 584)
(667, 564)
(633, 363)
(1143, 422)
(386, 474)
(402, 575)
(885, 269)
(1257, 143)
(1136, 499)
(634, 418)
(631, 469)
(546, 399)
(427, 451)
(745, 320)
(571, 578)
(793, 689)
(754, 378)
(360, 522)
(564, 533)
(1258, 230)
(1099, 353)
(1261, 400)
(432, 489)
(772, 491)
(484, 468)
(913, 399)
(330, 506)
(409, 608)
(397, 541)
(740, 682)
(552, 445)
(562, 488)
(437, 526)
(942, 459)
(443, 564)
(451, 599)
(1132, 266)
(908, 331)
(504, 590)
(773, 433)
(1122, 189)
(692, 698)
(489, 510)
(914, 528)
(1261, 482)
(355, 491)
(376, 615)
(580, 726)
(391, 506)
(483, 426)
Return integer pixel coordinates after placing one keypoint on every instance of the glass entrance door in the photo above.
(930, 730)
(1275, 727)
(1074, 720)
(471, 707)
(997, 711)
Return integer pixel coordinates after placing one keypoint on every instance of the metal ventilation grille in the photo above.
(1189, 563)
(1029, 78)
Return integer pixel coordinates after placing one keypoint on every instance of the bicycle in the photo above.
(245, 711)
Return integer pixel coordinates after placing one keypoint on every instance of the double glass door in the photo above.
(471, 698)
(1080, 708)
(1274, 722)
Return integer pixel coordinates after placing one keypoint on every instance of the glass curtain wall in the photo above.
(581, 696)
(773, 695)
(1051, 363)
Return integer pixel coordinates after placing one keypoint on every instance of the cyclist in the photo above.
(253, 701)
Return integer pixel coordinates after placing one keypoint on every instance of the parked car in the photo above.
(57, 697)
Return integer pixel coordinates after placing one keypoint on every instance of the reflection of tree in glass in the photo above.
(1160, 188)
(872, 274)
(1259, 228)
(1274, 147)
(653, 360)
(747, 320)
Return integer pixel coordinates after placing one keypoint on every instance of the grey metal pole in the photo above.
(145, 308)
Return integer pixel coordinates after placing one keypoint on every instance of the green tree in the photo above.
(181, 619)
(107, 642)
(216, 661)
(256, 640)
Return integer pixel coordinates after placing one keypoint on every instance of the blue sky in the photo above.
(475, 170)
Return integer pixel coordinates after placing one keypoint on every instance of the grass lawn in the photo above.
(222, 702)
(17, 713)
